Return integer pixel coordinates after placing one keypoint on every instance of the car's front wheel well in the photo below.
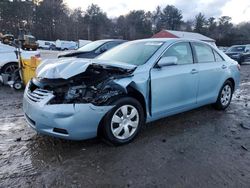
(6, 65)
(139, 97)
(232, 81)
(131, 92)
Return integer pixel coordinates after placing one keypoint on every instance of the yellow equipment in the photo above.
(26, 70)
(29, 68)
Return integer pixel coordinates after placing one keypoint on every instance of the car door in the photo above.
(7, 54)
(174, 87)
(211, 72)
(246, 55)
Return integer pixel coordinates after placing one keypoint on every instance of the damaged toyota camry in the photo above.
(137, 82)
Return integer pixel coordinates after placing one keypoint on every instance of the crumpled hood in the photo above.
(67, 68)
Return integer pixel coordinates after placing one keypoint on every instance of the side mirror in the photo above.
(167, 61)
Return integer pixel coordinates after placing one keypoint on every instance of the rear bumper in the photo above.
(67, 121)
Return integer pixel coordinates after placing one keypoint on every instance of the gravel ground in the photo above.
(200, 148)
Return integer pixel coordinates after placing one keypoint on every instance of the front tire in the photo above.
(122, 123)
(225, 96)
(9, 68)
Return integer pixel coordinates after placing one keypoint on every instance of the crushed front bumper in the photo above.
(67, 121)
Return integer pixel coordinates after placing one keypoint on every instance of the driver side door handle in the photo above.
(224, 67)
(194, 71)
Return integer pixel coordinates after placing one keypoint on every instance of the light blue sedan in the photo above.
(126, 87)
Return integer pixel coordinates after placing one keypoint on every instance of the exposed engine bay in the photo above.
(96, 85)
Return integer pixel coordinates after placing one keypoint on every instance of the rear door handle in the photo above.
(224, 67)
(194, 71)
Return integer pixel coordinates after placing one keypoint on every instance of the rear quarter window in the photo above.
(204, 53)
(218, 57)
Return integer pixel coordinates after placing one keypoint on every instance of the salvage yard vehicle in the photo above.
(17, 74)
(46, 45)
(115, 94)
(66, 45)
(240, 53)
(9, 59)
(7, 39)
(29, 43)
(93, 49)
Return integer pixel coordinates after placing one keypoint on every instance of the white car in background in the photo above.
(9, 60)
(47, 45)
(66, 45)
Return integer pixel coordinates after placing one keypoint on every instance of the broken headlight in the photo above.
(75, 92)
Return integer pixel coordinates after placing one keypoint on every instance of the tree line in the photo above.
(52, 19)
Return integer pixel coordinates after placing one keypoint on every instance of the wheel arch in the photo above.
(131, 92)
(7, 64)
(232, 81)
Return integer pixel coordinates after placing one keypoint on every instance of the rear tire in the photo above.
(225, 96)
(123, 122)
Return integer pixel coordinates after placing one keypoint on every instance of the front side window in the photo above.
(204, 53)
(182, 51)
(112, 45)
(106, 47)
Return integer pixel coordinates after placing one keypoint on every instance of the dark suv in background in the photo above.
(93, 49)
(240, 53)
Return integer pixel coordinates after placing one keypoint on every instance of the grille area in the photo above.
(39, 95)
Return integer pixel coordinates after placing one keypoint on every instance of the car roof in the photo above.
(112, 40)
(239, 45)
(170, 40)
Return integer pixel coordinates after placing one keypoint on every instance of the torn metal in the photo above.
(95, 85)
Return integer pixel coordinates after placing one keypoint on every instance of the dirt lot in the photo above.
(200, 148)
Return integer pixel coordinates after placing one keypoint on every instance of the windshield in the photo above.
(237, 49)
(135, 53)
(91, 46)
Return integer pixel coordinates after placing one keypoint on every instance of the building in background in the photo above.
(183, 34)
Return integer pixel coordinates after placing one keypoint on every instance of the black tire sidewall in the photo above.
(106, 123)
(3, 70)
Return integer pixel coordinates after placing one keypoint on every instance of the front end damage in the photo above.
(72, 108)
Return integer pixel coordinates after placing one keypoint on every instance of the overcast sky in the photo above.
(239, 10)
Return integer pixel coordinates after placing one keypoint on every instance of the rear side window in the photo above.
(204, 53)
(217, 56)
(182, 51)
(107, 46)
(110, 45)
